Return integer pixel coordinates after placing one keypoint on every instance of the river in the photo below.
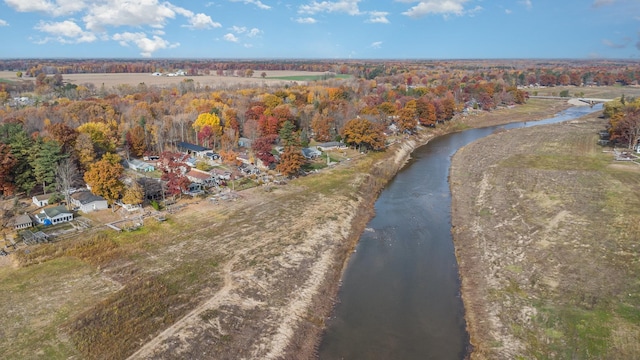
(400, 293)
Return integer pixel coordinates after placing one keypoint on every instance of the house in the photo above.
(192, 149)
(332, 145)
(54, 215)
(87, 202)
(200, 177)
(220, 174)
(138, 165)
(311, 153)
(23, 221)
(152, 188)
(41, 200)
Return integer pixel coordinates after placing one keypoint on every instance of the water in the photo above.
(400, 294)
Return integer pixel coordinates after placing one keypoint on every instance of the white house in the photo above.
(331, 146)
(54, 215)
(41, 200)
(87, 202)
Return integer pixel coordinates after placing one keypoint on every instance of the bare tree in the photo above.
(67, 176)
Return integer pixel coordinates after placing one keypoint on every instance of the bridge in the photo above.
(588, 101)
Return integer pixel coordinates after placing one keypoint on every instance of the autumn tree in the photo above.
(407, 117)
(104, 175)
(323, 127)
(64, 134)
(173, 166)
(135, 141)
(133, 194)
(291, 161)
(262, 148)
(7, 168)
(361, 132)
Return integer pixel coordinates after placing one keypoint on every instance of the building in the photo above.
(332, 145)
(54, 215)
(23, 221)
(87, 202)
(311, 153)
(41, 200)
(139, 165)
(192, 149)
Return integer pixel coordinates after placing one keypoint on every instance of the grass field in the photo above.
(547, 233)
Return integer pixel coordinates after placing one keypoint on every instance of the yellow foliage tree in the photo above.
(206, 119)
(104, 177)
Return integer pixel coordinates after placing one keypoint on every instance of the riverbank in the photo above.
(545, 230)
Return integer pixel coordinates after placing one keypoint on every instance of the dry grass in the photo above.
(547, 240)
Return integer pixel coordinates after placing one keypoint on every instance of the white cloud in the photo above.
(378, 17)
(376, 44)
(55, 8)
(239, 29)
(440, 7)
(341, 6)
(230, 37)
(3, 23)
(129, 13)
(65, 32)
(202, 21)
(307, 20)
(146, 45)
(527, 4)
(507, 11)
(254, 32)
(257, 3)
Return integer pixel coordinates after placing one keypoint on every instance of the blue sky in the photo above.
(358, 29)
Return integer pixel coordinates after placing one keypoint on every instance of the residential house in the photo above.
(311, 153)
(41, 200)
(139, 165)
(200, 177)
(87, 202)
(54, 215)
(192, 149)
(332, 145)
(23, 221)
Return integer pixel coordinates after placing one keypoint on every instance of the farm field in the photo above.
(213, 81)
(547, 239)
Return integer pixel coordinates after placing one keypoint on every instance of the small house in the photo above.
(192, 149)
(244, 142)
(138, 165)
(200, 177)
(332, 145)
(23, 221)
(41, 200)
(311, 153)
(54, 215)
(87, 202)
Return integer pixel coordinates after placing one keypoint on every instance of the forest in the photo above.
(47, 123)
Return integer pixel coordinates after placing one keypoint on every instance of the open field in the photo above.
(599, 92)
(547, 236)
(213, 81)
(253, 278)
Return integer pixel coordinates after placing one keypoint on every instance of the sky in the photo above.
(309, 29)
